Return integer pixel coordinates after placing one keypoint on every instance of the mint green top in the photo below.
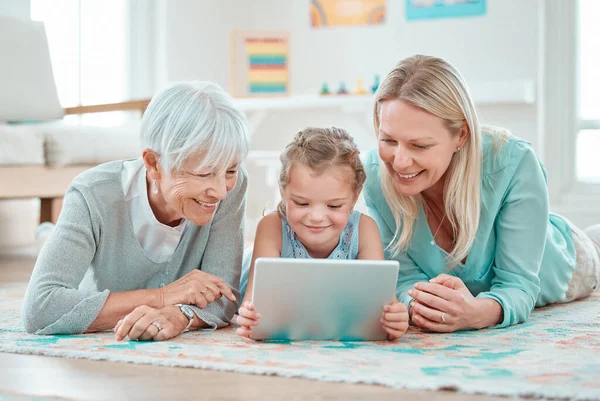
(522, 256)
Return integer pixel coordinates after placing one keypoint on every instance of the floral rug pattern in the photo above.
(555, 354)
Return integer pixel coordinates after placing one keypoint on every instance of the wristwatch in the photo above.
(188, 312)
(410, 304)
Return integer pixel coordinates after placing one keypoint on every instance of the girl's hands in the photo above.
(247, 319)
(394, 319)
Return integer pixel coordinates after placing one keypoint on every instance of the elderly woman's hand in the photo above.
(445, 304)
(147, 323)
(196, 288)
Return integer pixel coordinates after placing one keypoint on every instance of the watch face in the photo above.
(187, 311)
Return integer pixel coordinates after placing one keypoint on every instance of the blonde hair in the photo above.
(321, 149)
(436, 87)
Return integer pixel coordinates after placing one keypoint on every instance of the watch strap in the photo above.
(185, 309)
(410, 304)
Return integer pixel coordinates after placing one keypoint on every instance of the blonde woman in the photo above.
(465, 209)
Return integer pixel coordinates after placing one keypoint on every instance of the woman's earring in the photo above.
(155, 188)
(457, 148)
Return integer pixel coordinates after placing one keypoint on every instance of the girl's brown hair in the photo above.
(321, 149)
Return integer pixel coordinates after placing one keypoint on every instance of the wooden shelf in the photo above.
(344, 102)
(488, 94)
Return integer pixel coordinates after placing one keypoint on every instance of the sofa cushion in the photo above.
(21, 145)
(85, 144)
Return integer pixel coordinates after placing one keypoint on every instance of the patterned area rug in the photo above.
(555, 354)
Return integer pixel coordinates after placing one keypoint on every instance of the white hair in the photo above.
(194, 118)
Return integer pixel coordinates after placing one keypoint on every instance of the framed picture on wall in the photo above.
(429, 9)
(326, 13)
(259, 63)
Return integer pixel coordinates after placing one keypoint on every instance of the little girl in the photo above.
(320, 181)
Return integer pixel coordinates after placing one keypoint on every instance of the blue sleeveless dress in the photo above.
(291, 247)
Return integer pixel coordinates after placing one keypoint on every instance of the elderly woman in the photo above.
(152, 246)
(465, 209)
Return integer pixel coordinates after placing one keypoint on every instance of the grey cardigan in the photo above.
(93, 251)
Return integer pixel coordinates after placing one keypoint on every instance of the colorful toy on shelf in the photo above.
(259, 63)
(375, 84)
(360, 88)
(342, 90)
(325, 89)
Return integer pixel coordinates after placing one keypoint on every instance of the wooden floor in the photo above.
(82, 379)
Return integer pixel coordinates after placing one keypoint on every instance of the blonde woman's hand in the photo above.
(445, 304)
(394, 319)
(247, 319)
(195, 288)
(146, 323)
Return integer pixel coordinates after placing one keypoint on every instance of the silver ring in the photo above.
(157, 325)
(443, 317)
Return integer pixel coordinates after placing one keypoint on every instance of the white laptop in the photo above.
(322, 299)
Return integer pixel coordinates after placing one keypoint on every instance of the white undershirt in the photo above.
(158, 240)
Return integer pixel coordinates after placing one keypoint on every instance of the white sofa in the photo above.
(39, 159)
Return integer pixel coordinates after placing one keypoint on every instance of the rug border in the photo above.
(449, 385)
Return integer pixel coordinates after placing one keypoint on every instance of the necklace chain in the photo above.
(438, 229)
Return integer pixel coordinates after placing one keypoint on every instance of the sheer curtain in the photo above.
(89, 47)
(588, 107)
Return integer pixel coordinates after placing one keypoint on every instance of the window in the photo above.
(88, 42)
(588, 92)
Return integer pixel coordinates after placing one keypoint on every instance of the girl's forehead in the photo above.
(339, 172)
(335, 179)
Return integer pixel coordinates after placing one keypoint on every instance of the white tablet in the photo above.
(322, 299)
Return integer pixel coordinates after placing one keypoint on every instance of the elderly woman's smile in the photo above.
(206, 205)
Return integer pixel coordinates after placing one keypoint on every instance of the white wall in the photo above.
(502, 46)
(190, 39)
(15, 8)
(498, 47)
